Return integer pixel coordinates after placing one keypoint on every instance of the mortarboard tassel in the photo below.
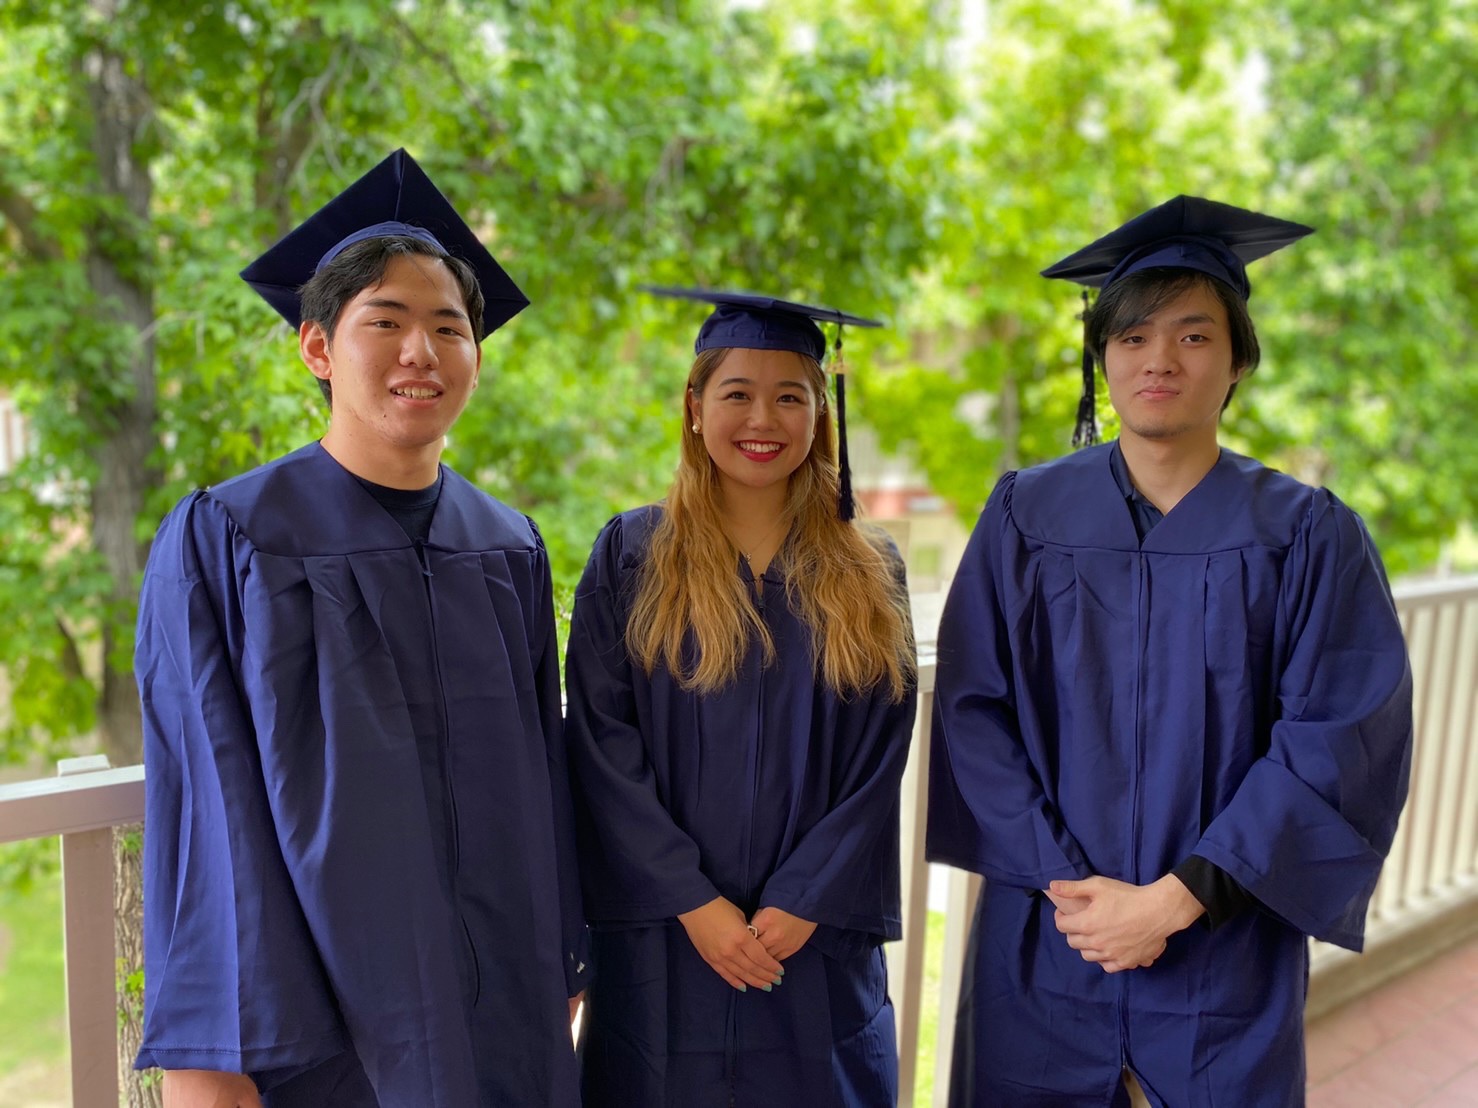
(846, 506)
(1086, 431)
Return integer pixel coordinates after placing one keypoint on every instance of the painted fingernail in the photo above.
(744, 988)
(782, 971)
(767, 988)
(778, 981)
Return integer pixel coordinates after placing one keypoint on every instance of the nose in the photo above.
(418, 349)
(761, 413)
(1161, 355)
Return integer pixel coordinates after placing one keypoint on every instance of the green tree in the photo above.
(1375, 389)
(155, 151)
(1075, 118)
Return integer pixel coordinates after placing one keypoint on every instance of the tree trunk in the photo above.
(117, 270)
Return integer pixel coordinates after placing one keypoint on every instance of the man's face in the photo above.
(1168, 377)
(403, 361)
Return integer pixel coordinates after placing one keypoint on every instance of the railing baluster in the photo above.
(91, 965)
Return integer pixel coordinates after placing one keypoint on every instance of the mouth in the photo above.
(1158, 394)
(757, 451)
(415, 392)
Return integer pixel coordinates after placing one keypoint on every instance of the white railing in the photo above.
(1432, 870)
(83, 804)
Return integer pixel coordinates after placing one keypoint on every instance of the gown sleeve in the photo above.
(844, 872)
(1309, 826)
(233, 981)
(988, 811)
(546, 677)
(638, 865)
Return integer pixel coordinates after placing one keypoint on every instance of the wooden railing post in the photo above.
(87, 911)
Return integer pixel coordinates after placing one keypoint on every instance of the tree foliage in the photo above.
(917, 160)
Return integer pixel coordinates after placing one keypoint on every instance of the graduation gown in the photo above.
(359, 880)
(1236, 688)
(771, 792)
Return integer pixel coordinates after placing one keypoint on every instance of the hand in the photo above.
(781, 933)
(209, 1089)
(1122, 926)
(575, 1002)
(720, 935)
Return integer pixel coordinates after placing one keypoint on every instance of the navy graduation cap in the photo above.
(394, 198)
(1187, 232)
(753, 321)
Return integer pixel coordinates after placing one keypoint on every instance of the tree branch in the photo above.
(20, 213)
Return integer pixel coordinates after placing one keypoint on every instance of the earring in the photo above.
(695, 427)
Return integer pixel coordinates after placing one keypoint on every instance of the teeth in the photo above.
(760, 447)
(416, 394)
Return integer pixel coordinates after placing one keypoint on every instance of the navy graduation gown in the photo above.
(359, 877)
(1237, 687)
(771, 792)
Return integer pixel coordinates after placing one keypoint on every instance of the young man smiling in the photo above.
(359, 877)
(1171, 688)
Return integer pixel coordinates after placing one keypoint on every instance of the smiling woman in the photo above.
(741, 696)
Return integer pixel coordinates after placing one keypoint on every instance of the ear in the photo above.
(477, 364)
(313, 346)
(695, 407)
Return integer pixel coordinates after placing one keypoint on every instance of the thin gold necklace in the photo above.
(748, 557)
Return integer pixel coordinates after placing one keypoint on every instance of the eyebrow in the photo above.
(396, 305)
(747, 381)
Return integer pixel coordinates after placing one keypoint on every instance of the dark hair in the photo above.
(363, 266)
(1131, 300)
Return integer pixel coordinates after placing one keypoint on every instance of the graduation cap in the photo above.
(753, 321)
(1187, 232)
(394, 198)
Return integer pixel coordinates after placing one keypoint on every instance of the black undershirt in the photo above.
(1219, 893)
(411, 508)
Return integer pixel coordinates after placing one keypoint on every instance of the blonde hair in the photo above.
(839, 578)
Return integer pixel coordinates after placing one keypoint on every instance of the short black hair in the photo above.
(363, 266)
(1131, 300)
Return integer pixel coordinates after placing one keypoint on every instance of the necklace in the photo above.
(759, 545)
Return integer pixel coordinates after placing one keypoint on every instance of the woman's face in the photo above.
(757, 416)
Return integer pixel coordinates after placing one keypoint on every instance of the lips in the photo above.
(757, 450)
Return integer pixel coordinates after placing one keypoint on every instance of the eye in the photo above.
(792, 398)
(1196, 340)
(737, 394)
(452, 331)
(382, 323)
(1131, 339)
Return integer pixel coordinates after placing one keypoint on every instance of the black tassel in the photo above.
(1086, 431)
(846, 506)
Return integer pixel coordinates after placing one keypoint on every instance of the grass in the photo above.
(33, 1035)
(923, 1085)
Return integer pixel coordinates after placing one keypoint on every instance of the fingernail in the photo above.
(767, 988)
(778, 981)
(744, 988)
(782, 971)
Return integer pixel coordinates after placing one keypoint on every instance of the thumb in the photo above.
(1071, 888)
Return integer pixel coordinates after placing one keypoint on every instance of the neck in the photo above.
(400, 468)
(754, 520)
(1164, 470)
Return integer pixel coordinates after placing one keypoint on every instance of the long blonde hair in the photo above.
(838, 577)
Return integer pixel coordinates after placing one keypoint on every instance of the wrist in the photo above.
(1181, 906)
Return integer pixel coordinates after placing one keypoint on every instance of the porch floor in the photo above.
(1413, 1041)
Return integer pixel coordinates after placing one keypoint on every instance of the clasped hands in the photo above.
(745, 952)
(1120, 926)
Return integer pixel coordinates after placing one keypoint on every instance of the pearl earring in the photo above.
(695, 427)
